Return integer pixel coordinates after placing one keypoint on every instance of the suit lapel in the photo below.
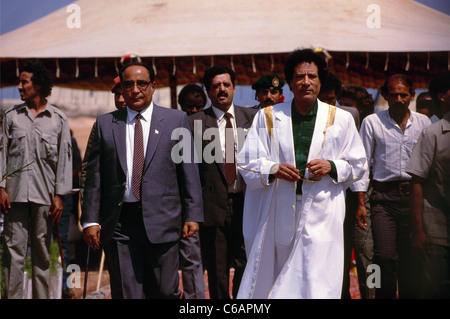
(156, 129)
(210, 119)
(119, 134)
(211, 122)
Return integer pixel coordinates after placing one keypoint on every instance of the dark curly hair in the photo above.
(305, 55)
(41, 76)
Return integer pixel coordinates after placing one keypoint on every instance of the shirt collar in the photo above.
(446, 122)
(312, 112)
(145, 113)
(408, 123)
(219, 113)
(48, 110)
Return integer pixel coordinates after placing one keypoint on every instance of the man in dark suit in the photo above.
(136, 197)
(221, 234)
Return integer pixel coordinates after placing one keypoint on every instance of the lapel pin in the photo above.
(156, 132)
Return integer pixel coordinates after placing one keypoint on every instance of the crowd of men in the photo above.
(282, 193)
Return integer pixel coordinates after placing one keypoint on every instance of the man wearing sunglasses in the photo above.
(297, 161)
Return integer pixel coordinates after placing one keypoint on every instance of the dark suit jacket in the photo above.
(214, 184)
(171, 193)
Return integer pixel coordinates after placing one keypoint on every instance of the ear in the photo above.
(153, 86)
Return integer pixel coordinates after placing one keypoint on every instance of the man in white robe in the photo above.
(294, 243)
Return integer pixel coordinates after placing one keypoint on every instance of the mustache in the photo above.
(225, 94)
(268, 100)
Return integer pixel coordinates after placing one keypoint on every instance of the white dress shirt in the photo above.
(236, 187)
(131, 121)
(388, 147)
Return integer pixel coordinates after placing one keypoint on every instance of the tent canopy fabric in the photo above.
(182, 38)
(158, 28)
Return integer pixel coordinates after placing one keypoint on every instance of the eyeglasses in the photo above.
(141, 85)
(311, 178)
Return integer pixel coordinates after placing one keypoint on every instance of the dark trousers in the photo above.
(349, 228)
(391, 229)
(223, 248)
(138, 268)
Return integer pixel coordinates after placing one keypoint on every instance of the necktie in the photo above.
(138, 158)
(230, 165)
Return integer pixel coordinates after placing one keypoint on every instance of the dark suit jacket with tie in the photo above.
(171, 193)
(214, 184)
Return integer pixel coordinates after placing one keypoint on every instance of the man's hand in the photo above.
(5, 205)
(91, 236)
(319, 168)
(190, 228)
(287, 172)
(56, 208)
(361, 211)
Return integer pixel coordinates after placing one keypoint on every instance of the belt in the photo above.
(400, 187)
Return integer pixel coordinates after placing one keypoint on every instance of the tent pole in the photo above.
(173, 91)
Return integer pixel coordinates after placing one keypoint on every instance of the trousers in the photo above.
(393, 253)
(27, 221)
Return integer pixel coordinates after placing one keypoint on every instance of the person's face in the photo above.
(328, 97)
(398, 95)
(137, 88)
(367, 105)
(119, 101)
(193, 103)
(268, 97)
(221, 91)
(305, 83)
(347, 101)
(27, 90)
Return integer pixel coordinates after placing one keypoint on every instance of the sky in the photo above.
(17, 13)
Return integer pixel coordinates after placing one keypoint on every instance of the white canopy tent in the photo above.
(159, 28)
(182, 38)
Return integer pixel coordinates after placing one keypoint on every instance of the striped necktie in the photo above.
(138, 158)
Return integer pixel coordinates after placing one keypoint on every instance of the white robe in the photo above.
(313, 266)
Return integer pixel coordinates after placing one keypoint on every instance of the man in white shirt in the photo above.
(221, 128)
(389, 137)
(138, 201)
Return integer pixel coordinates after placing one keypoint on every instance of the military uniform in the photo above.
(268, 81)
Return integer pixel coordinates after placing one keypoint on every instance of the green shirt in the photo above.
(303, 129)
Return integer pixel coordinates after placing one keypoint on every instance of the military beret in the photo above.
(272, 81)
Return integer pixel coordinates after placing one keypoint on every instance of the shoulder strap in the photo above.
(331, 116)
(269, 119)
(330, 120)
